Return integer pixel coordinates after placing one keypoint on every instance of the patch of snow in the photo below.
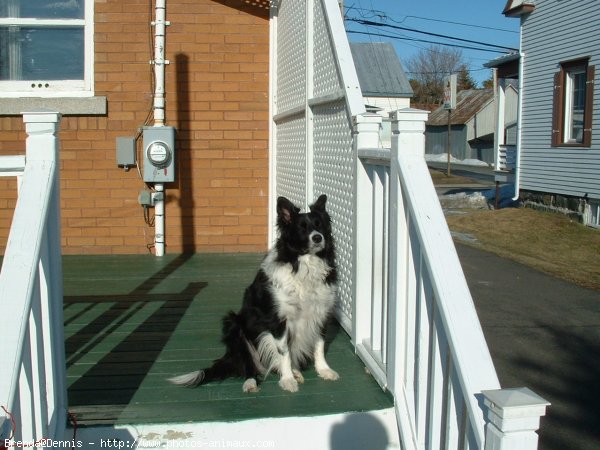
(474, 162)
(475, 200)
(464, 237)
(480, 199)
(443, 158)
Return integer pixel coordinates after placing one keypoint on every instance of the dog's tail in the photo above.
(236, 362)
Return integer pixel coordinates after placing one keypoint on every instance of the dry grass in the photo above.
(549, 242)
(439, 178)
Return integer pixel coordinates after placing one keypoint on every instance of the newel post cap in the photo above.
(514, 409)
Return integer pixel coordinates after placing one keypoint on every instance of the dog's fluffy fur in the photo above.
(281, 324)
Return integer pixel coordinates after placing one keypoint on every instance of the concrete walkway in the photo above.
(543, 333)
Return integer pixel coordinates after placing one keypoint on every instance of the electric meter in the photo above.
(159, 154)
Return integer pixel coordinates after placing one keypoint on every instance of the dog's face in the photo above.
(305, 233)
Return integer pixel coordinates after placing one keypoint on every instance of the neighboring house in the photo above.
(558, 144)
(472, 127)
(506, 80)
(96, 73)
(384, 84)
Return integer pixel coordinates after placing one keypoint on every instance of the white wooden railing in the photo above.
(32, 369)
(415, 324)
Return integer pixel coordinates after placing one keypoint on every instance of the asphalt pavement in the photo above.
(543, 333)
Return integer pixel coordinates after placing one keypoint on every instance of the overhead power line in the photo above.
(391, 36)
(428, 33)
(384, 16)
(456, 23)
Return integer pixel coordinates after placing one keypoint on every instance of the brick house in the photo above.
(217, 86)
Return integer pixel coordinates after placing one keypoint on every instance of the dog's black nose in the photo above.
(317, 238)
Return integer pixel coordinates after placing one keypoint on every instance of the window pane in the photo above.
(577, 106)
(41, 53)
(42, 9)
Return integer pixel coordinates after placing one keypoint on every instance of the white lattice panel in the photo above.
(333, 174)
(291, 54)
(326, 78)
(321, 133)
(291, 160)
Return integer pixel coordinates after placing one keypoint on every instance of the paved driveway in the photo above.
(543, 333)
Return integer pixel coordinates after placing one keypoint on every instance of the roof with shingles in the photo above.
(468, 103)
(379, 70)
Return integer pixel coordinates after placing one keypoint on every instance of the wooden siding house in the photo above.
(558, 144)
(472, 125)
(506, 80)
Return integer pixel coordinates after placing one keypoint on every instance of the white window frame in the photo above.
(56, 88)
(569, 100)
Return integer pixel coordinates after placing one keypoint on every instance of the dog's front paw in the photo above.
(328, 374)
(250, 386)
(288, 384)
(298, 376)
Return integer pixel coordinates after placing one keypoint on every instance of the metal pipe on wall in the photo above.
(159, 62)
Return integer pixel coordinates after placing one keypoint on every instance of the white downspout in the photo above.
(159, 219)
(159, 117)
(159, 62)
(519, 118)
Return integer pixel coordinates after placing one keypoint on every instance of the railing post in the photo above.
(366, 130)
(513, 417)
(408, 127)
(366, 135)
(42, 144)
(41, 128)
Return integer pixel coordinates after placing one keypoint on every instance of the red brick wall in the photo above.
(217, 98)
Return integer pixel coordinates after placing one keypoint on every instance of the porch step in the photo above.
(375, 430)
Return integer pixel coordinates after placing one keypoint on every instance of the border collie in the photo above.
(281, 324)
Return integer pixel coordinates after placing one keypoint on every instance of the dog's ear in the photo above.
(286, 210)
(319, 205)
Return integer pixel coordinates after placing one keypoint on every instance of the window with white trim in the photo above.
(46, 48)
(573, 104)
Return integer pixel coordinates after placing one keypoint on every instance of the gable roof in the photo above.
(468, 103)
(507, 65)
(516, 8)
(379, 71)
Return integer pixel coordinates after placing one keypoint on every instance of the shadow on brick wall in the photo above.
(185, 179)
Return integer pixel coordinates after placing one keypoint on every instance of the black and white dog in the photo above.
(281, 324)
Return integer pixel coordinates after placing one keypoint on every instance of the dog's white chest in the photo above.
(301, 293)
(303, 299)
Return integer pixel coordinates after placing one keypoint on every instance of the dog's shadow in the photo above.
(332, 330)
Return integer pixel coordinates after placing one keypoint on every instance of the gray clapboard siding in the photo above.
(556, 32)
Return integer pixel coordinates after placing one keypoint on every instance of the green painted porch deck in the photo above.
(133, 321)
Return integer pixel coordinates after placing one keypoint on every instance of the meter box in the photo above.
(159, 154)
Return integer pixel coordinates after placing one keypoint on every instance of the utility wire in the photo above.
(423, 40)
(428, 33)
(372, 12)
(384, 16)
(455, 23)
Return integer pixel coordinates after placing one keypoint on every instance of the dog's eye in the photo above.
(317, 223)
